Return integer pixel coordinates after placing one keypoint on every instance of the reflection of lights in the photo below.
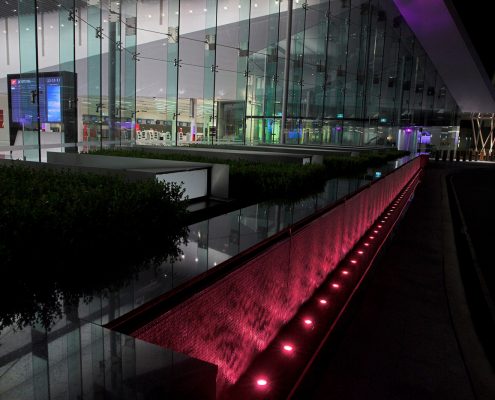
(353, 261)
(214, 264)
(375, 231)
(261, 382)
(196, 259)
(308, 322)
(183, 256)
(372, 237)
(345, 272)
(360, 252)
(335, 285)
(379, 227)
(366, 244)
(288, 348)
(323, 301)
(383, 221)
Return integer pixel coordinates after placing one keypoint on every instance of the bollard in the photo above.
(464, 156)
(437, 155)
(458, 156)
(451, 155)
(476, 156)
(444, 155)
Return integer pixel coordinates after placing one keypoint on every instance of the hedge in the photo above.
(250, 180)
(66, 235)
(277, 181)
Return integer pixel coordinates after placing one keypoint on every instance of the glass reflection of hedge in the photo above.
(66, 235)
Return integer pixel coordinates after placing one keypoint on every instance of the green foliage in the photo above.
(348, 166)
(251, 180)
(65, 235)
(257, 181)
(261, 181)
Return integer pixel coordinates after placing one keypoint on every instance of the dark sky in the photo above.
(479, 20)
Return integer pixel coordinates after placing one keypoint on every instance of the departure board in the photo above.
(24, 97)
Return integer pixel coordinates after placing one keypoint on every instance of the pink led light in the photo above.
(262, 382)
(360, 252)
(335, 285)
(383, 221)
(375, 231)
(353, 261)
(366, 244)
(308, 322)
(372, 237)
(288, 348)
(323, 301)
(345, 272)
(379, 227)
(386, 217)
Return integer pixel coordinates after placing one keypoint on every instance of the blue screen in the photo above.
(24, 110)
(53, 103)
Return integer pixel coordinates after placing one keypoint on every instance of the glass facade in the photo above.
(175, 72)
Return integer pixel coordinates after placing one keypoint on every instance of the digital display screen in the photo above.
(23, 99)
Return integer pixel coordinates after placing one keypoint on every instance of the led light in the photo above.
(386, 217)
(375, 231)
(335, 285)
(366, 244)
(288, 347)
(262, 382)
(353, 261)
(323, 301)
(379, 227)
(360, 252)
(383, 221)
(196, 259)
(345, 272)
(308, 322)
(372, 237)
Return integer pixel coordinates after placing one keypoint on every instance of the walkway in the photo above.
(404, 334)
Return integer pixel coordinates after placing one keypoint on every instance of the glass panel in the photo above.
(129, 55)
(94, 127)
(27, 116)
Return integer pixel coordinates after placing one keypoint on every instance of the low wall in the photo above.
(233, 320)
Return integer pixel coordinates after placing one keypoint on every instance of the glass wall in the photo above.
(181, 72)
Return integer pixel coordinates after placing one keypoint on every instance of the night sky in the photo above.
(479, 21)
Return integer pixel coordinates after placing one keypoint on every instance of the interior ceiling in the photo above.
(442, 35)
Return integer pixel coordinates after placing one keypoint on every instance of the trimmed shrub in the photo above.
(251, 180)
(66, 235)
